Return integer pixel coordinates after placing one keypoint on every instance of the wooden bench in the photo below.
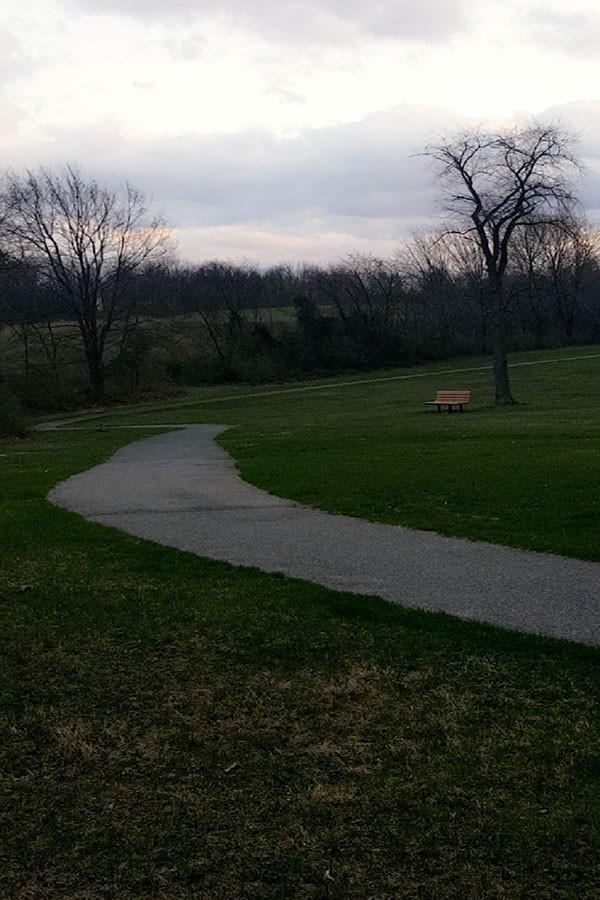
(450, 399)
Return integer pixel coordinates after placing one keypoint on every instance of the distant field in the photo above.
(180, 729)
(527, 476)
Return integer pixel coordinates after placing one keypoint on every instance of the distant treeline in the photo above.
(181, 324)
(93, 306)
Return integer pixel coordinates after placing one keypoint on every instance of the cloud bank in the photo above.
(313, 21)
(361, 184)
(355, 187)
(572, 32)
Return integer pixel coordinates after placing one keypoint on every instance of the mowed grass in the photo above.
(527, 476)
(179, 728)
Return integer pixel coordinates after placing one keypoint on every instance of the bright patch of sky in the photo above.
(228, 105)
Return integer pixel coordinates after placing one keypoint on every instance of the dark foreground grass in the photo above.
(527, 476)
(177, 728)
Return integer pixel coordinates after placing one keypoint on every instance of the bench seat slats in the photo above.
(450, 398)
(453, 395)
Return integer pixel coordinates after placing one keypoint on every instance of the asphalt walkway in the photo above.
(182, 490)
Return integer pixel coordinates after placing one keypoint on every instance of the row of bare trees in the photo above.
(87, 277)
(428, 302)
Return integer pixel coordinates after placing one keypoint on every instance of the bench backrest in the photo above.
(453, 396)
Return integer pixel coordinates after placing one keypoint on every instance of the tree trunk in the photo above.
(96, 376)
(503, 394)
(26, 361)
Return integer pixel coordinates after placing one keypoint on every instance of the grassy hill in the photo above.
(527, 476)
(178, 728)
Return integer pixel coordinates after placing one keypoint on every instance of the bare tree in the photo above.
(529, 282)
(494, 184)
(366, 292)
(87, 242)
(568, 255)
(226, 296)
(431, 267)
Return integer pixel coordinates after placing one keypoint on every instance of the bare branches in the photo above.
(86, 241)
(495, 183)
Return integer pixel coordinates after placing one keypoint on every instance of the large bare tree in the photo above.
(87, 242)
(494, 184)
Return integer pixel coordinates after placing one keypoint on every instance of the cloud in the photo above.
(354, 187)
(574, 33)
(582, 118)
(310, 21)
(272, 246)
(14, 60)
(280, 91)
(360, 179)
(363, 169)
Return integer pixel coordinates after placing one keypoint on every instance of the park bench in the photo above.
(450, 399)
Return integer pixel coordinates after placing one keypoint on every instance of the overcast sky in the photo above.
(275, 130)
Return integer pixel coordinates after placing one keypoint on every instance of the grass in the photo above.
(179, 728)
(524, 476)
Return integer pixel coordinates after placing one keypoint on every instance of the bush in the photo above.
(12, 421)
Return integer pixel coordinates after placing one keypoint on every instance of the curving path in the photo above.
(182, 490)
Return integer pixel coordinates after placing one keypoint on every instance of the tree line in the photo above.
(95, 306)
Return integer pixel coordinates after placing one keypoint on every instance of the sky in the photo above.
(288, 130)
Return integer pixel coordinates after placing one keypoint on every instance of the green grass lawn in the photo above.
(179, 728)
(528, 476)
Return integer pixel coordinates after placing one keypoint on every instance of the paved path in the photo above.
(182, 490)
